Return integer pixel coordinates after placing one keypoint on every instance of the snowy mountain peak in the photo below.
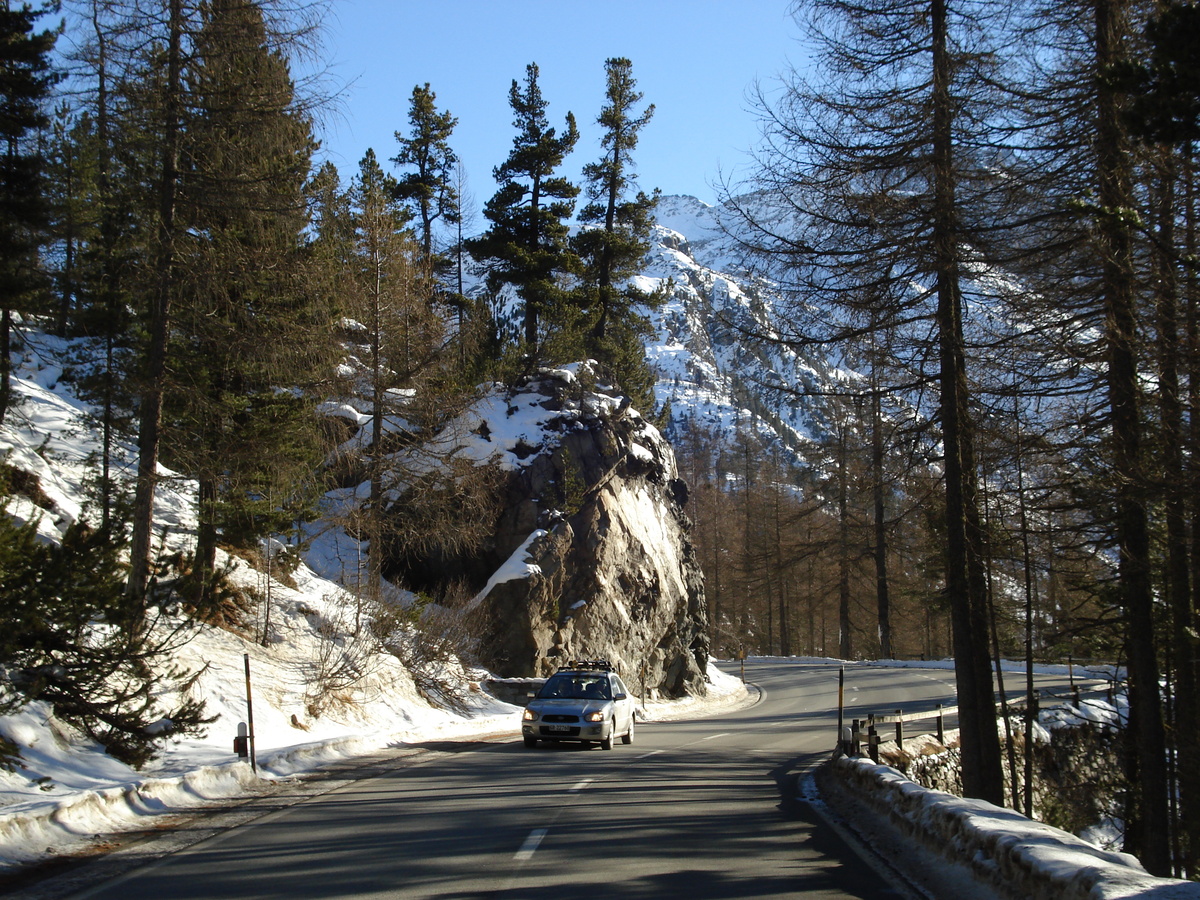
(708, 372)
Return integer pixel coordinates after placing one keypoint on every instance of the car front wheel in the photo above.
(530, 742)
(607, 743)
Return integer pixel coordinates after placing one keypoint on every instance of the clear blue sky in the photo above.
(695, 60)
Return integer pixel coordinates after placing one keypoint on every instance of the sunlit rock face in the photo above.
(595, 557)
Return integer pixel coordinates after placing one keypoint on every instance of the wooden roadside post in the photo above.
(841, 702)
(250, 714)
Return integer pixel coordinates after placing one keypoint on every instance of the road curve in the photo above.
(704, 808)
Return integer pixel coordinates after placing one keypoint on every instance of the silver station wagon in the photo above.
(584, 701)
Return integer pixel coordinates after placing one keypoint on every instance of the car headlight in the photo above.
(529, 715)
(594, 717)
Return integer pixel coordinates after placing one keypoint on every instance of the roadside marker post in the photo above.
(250, 715)
(842, 703)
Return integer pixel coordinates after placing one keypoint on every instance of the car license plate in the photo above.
(558, 727)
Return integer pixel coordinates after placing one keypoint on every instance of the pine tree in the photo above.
(419, 502)
(430, 188)
(63, 640)
(106, 262)
(385, 301)
(1091, 273)
(614, 245)
(70, 192)
(26, 77)
(1163, 112)
(1165, 88)
(527, 244)
(1114, 194)
(245, 322)
(164, 112)
(155, 54)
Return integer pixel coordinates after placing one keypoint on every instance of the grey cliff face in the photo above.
(613, 571)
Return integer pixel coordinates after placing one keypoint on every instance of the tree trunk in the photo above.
(5, 362)
(883, 603)
(378, 411)
(150, 412)
(108, 265)
(1191, 463)
(206, 539)
(532, 304)
(1150, 828)
(785, 624)
(982, 769)
(845, 637)
(1178, 581)
(1026, 804)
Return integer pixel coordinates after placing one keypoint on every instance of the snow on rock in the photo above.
(948, 844)
(518, 566)
(589, 554)
(592, 556)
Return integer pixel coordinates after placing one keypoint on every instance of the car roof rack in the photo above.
(602, 665)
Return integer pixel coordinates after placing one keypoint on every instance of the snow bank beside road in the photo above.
(942, 842)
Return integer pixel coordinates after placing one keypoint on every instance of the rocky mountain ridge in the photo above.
(709, 374)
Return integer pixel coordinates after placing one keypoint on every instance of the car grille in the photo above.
(559, 717)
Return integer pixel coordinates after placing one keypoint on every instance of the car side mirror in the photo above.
(620, 696)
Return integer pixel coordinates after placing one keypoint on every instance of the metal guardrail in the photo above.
(852, 737)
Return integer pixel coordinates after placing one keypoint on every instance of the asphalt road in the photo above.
(707, 808)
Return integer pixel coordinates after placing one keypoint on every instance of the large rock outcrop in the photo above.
(592, 555)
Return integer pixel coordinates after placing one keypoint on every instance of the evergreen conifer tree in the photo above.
(26, 78)
(1165, 102)
(615, 239)
(107, 201)
(384, 300)
(205, 97)
(161, 85)
(245, 325)
(527, 244)
(63, 640)
(430, 187)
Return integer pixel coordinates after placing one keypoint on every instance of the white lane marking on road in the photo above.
(713, 737)
(531, 844)
(582, 784)
(648, 755)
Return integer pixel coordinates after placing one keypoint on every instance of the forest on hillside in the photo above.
(985, 214)
(163, 207)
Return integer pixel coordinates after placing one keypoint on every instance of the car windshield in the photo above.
(575, 686)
